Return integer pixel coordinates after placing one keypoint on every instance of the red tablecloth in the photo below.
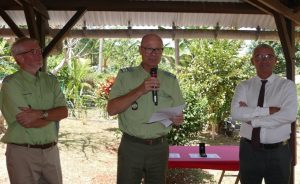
(229, 158)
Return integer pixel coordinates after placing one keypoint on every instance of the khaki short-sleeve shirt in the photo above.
(134, 120)
(22, 89)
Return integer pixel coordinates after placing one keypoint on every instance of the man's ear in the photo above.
(19, 59)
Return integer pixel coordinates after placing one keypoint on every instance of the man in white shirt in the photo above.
(267, 105)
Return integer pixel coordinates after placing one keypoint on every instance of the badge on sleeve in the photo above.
(134, 106)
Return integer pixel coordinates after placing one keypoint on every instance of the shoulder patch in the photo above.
(169, 74)
(128, 69)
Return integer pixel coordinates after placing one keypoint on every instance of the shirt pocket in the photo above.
(28, 97)
(164, 98)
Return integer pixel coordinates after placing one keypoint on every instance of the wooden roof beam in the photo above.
(280, 8)
(165, 33)
(260, 6)
(64, 31)
(286, 42)
(144, 6)
(30, 19)
(36, 5)
(11, 24)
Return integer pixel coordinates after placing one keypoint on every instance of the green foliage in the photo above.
(7, 63)
(120, 53)
(77, 88)
(210, 72)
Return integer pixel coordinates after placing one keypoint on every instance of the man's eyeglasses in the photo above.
(153, 50)
(32, 51)
(261, 57)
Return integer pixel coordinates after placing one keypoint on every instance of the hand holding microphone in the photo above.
(153, 73)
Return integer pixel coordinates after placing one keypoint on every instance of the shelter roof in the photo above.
(225, 13)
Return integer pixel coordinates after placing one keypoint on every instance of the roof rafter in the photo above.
(143, 6)
(37, 6)
(272, 7)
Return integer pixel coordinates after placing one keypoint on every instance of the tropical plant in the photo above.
(211, 70)
(7, 63)
(102, 93)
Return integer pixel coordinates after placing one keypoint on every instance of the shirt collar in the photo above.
(270, 79)
(32, 78)
(140, 67)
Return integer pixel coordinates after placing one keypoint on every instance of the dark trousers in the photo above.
(138, 160)
(274, 165)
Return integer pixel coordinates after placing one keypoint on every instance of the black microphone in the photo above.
(153, 73)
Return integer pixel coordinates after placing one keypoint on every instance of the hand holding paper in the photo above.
(164, 115)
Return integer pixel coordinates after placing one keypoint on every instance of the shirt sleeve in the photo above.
(117, 88)
(176, 94)
(287, 113)
(59, 99)
(245, 113)
(12, 99)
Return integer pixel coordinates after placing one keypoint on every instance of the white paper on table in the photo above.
(197, 155)
(165, 114)
(174, 155)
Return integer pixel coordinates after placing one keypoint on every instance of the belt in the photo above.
(269, 146)
(40, 146)
(154, 141)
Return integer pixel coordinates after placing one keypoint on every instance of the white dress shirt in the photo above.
(280, 93)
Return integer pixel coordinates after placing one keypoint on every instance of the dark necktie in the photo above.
(255, 139)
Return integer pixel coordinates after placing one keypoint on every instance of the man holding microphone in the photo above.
(138, 92)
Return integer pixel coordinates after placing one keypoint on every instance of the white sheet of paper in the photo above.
(166, 122)
(174, 155)
(197, 155)
(165, 114)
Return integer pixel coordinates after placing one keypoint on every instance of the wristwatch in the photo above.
(45, 115)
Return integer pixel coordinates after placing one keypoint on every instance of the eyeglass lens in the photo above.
(267, 57)
(155, 50)
(32, 51)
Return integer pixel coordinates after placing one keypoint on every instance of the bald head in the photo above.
(17, 46)
(151, 36)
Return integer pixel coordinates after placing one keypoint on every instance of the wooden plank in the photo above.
(280, 8)
(11, 24)
(286, 44)
(30, 19)
(41, 23)
(165, 33)
(286, 34)
(260, 6)
(145, 6)
(64, 31)
(36, 5)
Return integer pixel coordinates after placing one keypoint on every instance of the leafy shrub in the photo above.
(208, 81)
(194, 118)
